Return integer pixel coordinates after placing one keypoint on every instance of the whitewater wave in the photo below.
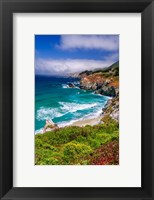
(105, 97)
(88, 116)
(92, 115)
(73, 107)
(76, 82)
(48, 113)
(39, 131)
(65, 86)
(67, 123)
(75, 86)
(65, 108)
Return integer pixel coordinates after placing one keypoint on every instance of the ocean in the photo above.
(55, 100)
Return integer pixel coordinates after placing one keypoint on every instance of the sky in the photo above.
(61, 55)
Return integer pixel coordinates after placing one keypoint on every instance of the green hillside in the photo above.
(111, 70)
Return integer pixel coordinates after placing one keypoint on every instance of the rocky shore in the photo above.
(104, 82)
(99, 84)
(112, 108)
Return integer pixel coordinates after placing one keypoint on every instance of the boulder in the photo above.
(106, 91)
(87, 86)
(115, 114)
(49, 126)
(108, 81)
(112, 108)
(71, 85)
(99, 85)
(94, 86)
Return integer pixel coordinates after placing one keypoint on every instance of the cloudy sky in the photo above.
(60, 55)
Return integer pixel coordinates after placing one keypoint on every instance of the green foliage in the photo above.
(75, 152)
(112, 70)
(73, 145)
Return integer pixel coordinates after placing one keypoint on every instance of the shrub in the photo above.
(76, 152)
(107, 154)
(74, 145)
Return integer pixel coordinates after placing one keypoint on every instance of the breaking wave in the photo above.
(48, 113)
(73, 107)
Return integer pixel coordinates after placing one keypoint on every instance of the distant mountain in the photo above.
(112, 70)
(113, 67)
(86, 72)
(73, 75)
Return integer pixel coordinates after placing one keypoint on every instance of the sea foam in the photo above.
(39, 131)
(73, 107)
(88, 116)
(48, 113)
(65, 108)
(65, 86)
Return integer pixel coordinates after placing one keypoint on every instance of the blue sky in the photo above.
(65, 54)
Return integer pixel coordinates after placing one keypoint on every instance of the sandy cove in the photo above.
(85, 122)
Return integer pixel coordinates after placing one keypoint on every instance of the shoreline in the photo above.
(79, 123)
(84, 122)
(96, 119)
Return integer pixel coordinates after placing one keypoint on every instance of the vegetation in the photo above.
(113, 67)
(87, 72)
(79, 145)
(89, 145)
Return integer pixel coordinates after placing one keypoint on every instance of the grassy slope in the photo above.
(78, 145)
(114, 66)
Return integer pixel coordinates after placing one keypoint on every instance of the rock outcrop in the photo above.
(112, 108)
(71, 85)
(104, 82)
(106, 91)
(49, 126)
(85, 73)
(99, 84)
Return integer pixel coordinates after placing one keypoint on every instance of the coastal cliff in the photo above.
(104, 82)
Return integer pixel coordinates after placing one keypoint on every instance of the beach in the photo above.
(85, 122)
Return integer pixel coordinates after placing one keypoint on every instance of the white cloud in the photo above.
(103, 42)
(61, 67)
(112, 57)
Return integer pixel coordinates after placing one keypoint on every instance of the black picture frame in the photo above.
(7, 8)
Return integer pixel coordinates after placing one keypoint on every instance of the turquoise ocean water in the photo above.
(54, 100)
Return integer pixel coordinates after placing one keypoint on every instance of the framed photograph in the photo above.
(76, 99)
